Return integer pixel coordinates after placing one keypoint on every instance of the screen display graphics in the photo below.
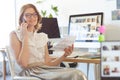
(85, 26)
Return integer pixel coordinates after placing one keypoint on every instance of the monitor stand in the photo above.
(91, 50)
(87, 46)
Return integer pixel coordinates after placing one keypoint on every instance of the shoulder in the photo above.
(12, 33)
(42, 35)
(13, 38)
(41, 39)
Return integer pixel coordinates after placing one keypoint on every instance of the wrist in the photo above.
(65, 55)
(25, 42)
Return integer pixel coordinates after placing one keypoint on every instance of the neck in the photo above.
(31, 28)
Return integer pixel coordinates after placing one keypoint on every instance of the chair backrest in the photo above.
(50, 27)
(10, 61)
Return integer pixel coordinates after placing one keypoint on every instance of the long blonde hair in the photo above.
(26, 6)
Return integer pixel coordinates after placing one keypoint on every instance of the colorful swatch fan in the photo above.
(101, 30)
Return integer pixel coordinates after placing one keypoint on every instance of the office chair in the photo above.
(14, 76)
(50, 27)
(11, 62)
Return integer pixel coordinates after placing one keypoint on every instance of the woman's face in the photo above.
(30, 17)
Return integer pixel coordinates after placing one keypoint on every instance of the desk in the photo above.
(88, 61)
(83, 60)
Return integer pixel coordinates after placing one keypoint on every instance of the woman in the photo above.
(31, 52)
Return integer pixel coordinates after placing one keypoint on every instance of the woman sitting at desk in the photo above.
(31, 52)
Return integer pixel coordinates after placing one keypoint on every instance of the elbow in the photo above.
(51, 64)
(23, 63)
(48, 64)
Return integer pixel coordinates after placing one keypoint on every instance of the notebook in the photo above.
(110, 60)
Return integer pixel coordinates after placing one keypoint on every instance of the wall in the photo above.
(70, 7)
(7, 20)
(86, 6)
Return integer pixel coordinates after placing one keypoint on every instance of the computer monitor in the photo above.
(86, 29)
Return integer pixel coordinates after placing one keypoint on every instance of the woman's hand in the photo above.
(23, 30)
(68, 51)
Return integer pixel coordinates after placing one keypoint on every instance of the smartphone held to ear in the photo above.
(24, 23)
(23, 20)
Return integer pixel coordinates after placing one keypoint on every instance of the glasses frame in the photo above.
(30, 15)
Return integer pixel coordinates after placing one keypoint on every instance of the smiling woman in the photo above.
(31, 52)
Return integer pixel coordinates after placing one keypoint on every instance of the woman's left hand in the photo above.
(68, 50)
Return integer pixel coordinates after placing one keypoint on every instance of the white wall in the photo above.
(70, 7)
(7, 20)
(90, 6)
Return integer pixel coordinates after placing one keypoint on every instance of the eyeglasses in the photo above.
(29, 15)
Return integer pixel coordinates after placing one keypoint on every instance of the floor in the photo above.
(81, 66)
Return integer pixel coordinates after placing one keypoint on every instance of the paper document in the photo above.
(64, 43)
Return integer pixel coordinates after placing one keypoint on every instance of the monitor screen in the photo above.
(86, 29)
(110, 60)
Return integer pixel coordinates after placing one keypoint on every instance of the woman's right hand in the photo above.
(68, 50)
(23, 30)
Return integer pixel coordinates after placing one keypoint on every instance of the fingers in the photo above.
(72, 46)
(24, 25)
(69, 50)
(23, 29)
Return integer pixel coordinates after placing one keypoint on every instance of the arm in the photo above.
(20, 49)
(57, 61)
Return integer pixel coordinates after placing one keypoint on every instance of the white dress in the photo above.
(37, 41)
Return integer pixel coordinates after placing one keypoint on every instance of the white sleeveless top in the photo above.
(36, 42)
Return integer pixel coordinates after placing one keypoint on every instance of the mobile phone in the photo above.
(23, 20)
